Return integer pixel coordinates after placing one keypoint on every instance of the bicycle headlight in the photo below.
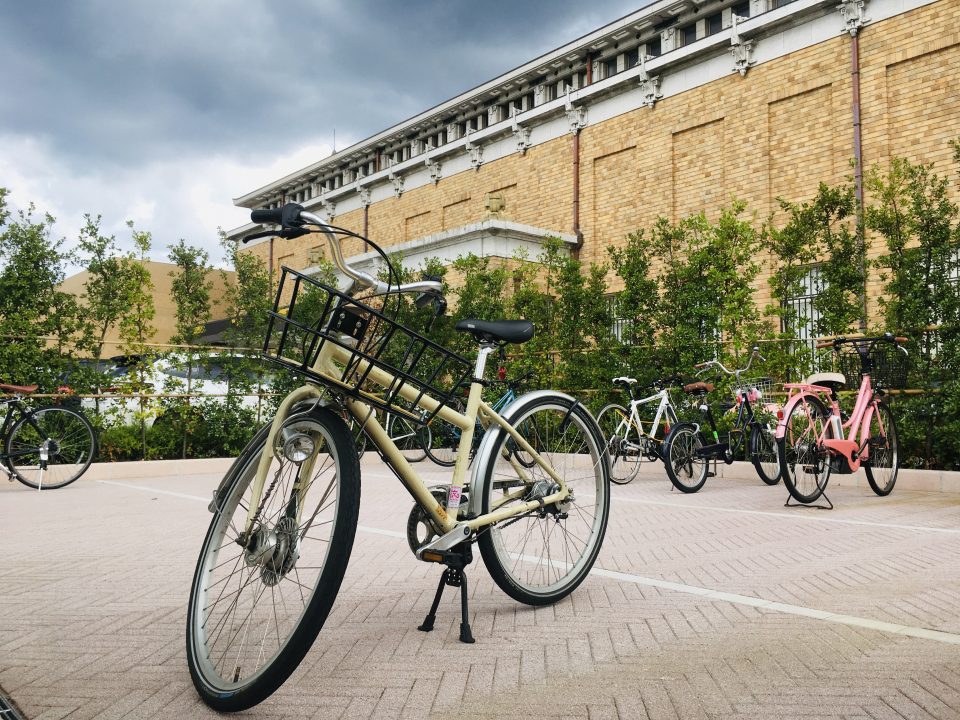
(297, 446)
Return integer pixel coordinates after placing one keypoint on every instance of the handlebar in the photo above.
(736, 373)
(292, 219)
(836, 342)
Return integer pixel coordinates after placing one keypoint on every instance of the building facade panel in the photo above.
(711, 134)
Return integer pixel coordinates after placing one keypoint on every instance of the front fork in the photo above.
(305, 392)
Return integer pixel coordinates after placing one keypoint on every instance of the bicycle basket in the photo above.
(308, 317)
(756, 389)
(888, 367)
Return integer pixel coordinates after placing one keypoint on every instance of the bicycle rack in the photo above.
(816, 505)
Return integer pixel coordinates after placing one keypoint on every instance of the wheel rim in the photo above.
(767, 452)
(547, 551)
(883, 460)
(808, 462)
(617, 431)
(61, 457)
(249, 603)
(687, 467)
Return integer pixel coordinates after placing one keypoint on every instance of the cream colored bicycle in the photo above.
(284, 517)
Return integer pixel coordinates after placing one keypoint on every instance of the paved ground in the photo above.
(721, 604)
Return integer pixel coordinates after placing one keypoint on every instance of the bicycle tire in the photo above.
(800, 446)
(443, 442)
(566, 435)
(763, 453)
(407, 436)
(611, 418)
(64, 435)
(686, 471)
(886, 451)
(335, 477)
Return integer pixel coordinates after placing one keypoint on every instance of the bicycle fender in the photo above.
(492, 435)
(791, 403)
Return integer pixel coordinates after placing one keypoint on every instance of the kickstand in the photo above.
(828, 506)
(454, 577)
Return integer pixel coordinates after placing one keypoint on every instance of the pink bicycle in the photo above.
(813, 441)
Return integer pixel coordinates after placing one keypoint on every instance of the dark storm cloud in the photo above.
(115, 83)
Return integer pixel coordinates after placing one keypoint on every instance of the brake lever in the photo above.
(287, 234)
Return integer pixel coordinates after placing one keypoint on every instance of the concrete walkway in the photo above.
(722, 604)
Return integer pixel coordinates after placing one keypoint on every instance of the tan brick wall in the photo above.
(779, 131)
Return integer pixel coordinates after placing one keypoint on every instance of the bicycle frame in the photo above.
(664, 412)
(444, 516)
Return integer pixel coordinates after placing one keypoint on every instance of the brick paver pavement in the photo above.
(722, 604)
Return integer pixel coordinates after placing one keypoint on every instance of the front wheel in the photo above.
(622, 443)
(542, 555)
(686, 465)
(804, 459)
(884, 460)
(259, 598)
(50, 448)
(763, 453)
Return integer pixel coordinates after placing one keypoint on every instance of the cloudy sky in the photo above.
(162, 113)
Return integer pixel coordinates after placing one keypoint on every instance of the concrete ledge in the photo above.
(907, 479)
(157, 468)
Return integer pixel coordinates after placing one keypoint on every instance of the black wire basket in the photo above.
(887, 366)
(308, 316)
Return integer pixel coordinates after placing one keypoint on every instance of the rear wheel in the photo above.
(763, 453)
(804, 459)
(686, 466)
(258, 599)
(622, 443)
(884, 459)
(542, 555)
(50, 448)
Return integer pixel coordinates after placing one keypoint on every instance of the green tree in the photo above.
(191, 290)
(917, 221)
(136, 326)
(42, 326)
(108, 285)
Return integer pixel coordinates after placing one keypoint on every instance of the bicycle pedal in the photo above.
(711, 473)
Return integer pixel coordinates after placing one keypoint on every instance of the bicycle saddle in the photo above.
(22, 389)
(698, 387)
(508, 331)
(832, 380)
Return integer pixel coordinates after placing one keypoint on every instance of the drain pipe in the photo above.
(576, 193)
(858, 163)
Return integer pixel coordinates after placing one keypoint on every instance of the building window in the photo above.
(609, 67)
(689, 34)
(781, 3)
(619, 326)
(714, 23)
(631, 57)
(653, 47)
(743, 9)
(800, 314)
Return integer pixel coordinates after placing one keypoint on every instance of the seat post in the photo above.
(485, 349)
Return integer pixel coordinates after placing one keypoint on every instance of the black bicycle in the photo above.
(44, 448)
(690, 447)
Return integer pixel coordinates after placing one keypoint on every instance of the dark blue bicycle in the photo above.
(440, 440)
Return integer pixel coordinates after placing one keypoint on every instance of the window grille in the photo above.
(800, 316)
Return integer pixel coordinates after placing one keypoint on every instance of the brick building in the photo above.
(671, 110)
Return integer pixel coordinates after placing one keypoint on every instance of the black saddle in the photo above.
(506, 331)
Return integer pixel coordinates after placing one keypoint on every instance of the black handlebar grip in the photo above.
(264, 215)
